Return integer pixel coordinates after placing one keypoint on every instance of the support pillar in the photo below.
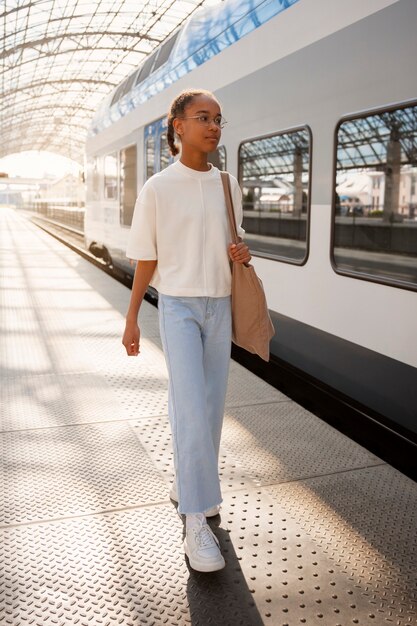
(392, 178)
(298, 182)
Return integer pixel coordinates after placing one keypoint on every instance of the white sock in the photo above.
(193, 520)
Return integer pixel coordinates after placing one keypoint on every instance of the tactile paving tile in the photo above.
(108, 355)
(57, 400)
(291, 578)
(148, 371)
(247, 389)
(282, 441)
(41, 325)
(365, 521)
(264, 444)
(141, 385)
(77, 470)
(155, 436)
(128, 567)
(122, 568)
(104, 342)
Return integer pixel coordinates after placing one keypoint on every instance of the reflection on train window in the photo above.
(164, 153)
(128, 186)
(375, 196)
(274, 176)
(150, 157)
(218, 158)
(110, 177)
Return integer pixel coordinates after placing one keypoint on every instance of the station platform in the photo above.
(314, 528)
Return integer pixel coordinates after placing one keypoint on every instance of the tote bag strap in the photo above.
(229, 204)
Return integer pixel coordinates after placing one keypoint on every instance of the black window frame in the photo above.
(380, 280)
(277, 257)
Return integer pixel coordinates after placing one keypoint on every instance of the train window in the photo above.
(274, 173)
(218, 158)
(375, 197)
(164, 153)
(128, 184)
(146, 69)
(165, 51)
(128, 84)
(150, 157)
(111, 177)
(117, 94)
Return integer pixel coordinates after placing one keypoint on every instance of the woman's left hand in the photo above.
(239, 253)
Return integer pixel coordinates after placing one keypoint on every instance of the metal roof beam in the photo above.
(47, 83)
(44, 41)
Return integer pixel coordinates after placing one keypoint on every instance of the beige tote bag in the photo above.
(252, 328)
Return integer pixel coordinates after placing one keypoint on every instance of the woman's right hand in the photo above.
(143, 274)
(131, 338)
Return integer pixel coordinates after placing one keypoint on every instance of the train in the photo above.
(320, 100)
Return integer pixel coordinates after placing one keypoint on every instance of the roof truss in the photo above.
(60, 58)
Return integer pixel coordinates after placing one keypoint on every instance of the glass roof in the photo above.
(60, 58)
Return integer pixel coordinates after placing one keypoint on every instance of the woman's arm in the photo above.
(143, 274)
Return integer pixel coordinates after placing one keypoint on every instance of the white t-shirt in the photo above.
(180, 220)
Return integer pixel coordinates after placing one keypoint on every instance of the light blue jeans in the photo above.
(196, 337)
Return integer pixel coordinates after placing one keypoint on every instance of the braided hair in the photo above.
(177, 109)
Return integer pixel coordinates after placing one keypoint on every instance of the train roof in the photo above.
(209, 31)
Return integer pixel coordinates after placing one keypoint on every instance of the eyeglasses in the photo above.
(206, 120)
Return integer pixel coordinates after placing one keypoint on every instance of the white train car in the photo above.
(321, 103)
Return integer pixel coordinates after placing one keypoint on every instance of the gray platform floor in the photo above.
(314, 528)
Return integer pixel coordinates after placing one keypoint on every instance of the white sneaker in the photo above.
(202, 548)
(212, 512)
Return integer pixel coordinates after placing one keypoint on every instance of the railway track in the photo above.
(58, 230)
(74, 239)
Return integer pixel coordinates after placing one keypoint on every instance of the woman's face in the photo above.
(200, 132)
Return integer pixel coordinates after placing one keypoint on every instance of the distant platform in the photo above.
(314, 528)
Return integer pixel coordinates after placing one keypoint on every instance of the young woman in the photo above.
(180, 239)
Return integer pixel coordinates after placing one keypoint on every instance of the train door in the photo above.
(157, 155)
